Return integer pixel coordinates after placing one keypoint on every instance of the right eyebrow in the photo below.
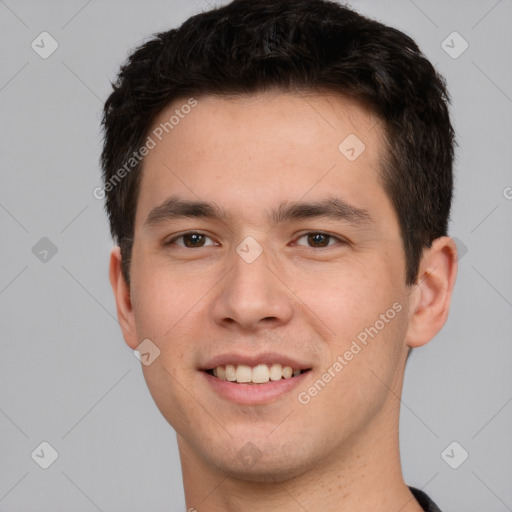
(175, 208)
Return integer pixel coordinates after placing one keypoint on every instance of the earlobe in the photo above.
(430, 300)
(122, 297)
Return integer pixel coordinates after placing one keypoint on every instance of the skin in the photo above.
(248, 154)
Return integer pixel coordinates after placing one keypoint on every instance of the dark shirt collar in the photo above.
(425, 502)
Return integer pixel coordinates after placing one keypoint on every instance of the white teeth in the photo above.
(230, 372)
(287, 372)
(276, 372)
(221, 372)
(258, 374)
(243, 373)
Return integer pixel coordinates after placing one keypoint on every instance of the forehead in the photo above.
(254, 150)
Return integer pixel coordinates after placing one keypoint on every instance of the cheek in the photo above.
(362, 312)
(166, 306)
(363, 355)
(350, 297)
(165, 298)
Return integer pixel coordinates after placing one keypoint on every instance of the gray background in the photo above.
(66, 376)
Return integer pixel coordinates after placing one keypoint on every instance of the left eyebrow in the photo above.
(334, 208)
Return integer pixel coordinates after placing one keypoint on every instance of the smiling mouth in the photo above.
(259, 374)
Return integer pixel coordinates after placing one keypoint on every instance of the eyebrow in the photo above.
(333, 208)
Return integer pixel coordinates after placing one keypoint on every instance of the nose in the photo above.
(253, 296)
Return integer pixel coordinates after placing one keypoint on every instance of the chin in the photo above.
(264, 471)
(265, 465)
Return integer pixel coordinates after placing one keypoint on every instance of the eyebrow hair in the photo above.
(334, 208)
(174, 208)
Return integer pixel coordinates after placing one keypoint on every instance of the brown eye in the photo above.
(193, 240)
(190, 240)
(319, 240)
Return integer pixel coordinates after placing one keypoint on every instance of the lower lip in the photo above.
(253, 394)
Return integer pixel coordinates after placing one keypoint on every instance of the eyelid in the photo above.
(340, 240)
(172, 240)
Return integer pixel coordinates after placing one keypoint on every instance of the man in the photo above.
(278, 180)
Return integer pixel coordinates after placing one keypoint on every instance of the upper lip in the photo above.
(254, 359)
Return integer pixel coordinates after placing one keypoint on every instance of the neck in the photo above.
(364, 474)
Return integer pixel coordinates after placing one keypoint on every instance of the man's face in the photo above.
(211, 298)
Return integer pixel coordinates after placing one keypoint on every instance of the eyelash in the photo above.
(331, 237)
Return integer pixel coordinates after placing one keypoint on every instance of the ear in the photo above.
(123, 299)
(431, 295)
